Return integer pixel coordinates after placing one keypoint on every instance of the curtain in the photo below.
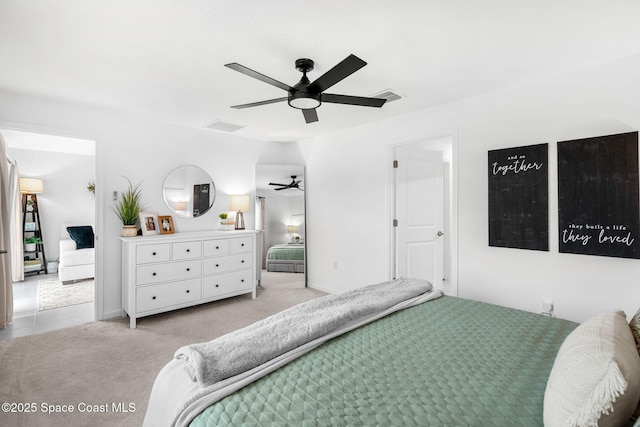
(6, 286)
(260, 217)
(15, 224)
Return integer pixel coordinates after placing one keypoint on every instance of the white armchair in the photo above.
(75, 264)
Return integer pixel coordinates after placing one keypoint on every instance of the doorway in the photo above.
(423, 207)
(67, 169)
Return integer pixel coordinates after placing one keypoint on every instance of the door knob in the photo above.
(439, 233)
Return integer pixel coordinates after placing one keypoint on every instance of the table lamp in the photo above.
(239, 203)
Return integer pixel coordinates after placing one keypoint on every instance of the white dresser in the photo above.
(171, 271)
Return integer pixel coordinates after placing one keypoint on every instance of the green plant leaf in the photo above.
(128, 207)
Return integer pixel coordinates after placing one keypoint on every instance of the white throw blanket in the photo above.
(244, 349)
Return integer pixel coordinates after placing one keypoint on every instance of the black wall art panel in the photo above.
(519, 197)
(598, 196)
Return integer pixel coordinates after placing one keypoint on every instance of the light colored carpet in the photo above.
(53, 294)
(106, 363)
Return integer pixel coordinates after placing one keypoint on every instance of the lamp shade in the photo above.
(292, 229)
(31, 185)
(239, 202)
(179, 206)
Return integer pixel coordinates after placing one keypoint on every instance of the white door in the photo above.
(419, 191)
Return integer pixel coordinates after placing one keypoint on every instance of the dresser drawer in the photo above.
(186, 250)
(216, 247)
(221, 284)
(156, 273)
(240, 244)
(159, 296)
(227, 263)
(153, 253)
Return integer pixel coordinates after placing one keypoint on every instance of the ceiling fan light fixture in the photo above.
(308, 96)
(304, 100)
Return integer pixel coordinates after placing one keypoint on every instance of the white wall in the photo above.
(65, 198)
(355, 250)
(142, 149)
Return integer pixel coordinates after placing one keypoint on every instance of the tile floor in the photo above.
(27, 320)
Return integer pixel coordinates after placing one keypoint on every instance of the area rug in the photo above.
(53, 294)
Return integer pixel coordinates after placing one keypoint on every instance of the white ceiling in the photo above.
(43, 142)
(166, 57)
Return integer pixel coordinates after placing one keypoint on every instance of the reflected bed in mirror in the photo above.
(189, 191)
(280, 217)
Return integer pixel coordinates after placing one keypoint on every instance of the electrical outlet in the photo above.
(547, 306)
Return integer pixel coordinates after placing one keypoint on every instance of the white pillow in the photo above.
(595, 379)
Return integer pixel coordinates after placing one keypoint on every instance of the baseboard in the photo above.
(321, 288)
(111, 314)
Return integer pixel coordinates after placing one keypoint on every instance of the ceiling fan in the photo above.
(293, 184)
(308, 96)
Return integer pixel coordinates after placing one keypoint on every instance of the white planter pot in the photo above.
(29, 247)
(129, 231)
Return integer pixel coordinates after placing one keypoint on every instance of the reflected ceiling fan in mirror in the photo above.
(307, 96)
(294, 184)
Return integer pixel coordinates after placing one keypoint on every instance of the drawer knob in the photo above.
(217, 247)
(153, 297)
(188, 269)
(242, 244)
(188, 291)
(242, 280)
(154, 254)
(217, 286)
(188, 250)
(154, 274)
(217, 265)
(242, 261)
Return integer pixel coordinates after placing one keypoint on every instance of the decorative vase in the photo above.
(129, 231)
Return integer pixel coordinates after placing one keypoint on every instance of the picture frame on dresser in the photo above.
(166, 224)
(149, 223)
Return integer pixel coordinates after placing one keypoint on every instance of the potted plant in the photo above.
(31, 242)
(128, 209)
(225, 223)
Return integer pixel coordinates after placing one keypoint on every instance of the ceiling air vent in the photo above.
(224, 126)
(387, 94)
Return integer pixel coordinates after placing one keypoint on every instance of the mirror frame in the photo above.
(187, 197)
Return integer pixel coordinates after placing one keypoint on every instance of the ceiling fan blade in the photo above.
(256, 104)
(353, 100)
(256, 75)
(310, 115)
(282, 185)
(283, 188)
(343, 69)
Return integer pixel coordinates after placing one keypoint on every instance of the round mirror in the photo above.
(189, 191)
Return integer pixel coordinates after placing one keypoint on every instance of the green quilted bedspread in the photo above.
(447, 362)
(288, 253)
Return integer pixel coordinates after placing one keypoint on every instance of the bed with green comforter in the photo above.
(287, 258)
(445, 362)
